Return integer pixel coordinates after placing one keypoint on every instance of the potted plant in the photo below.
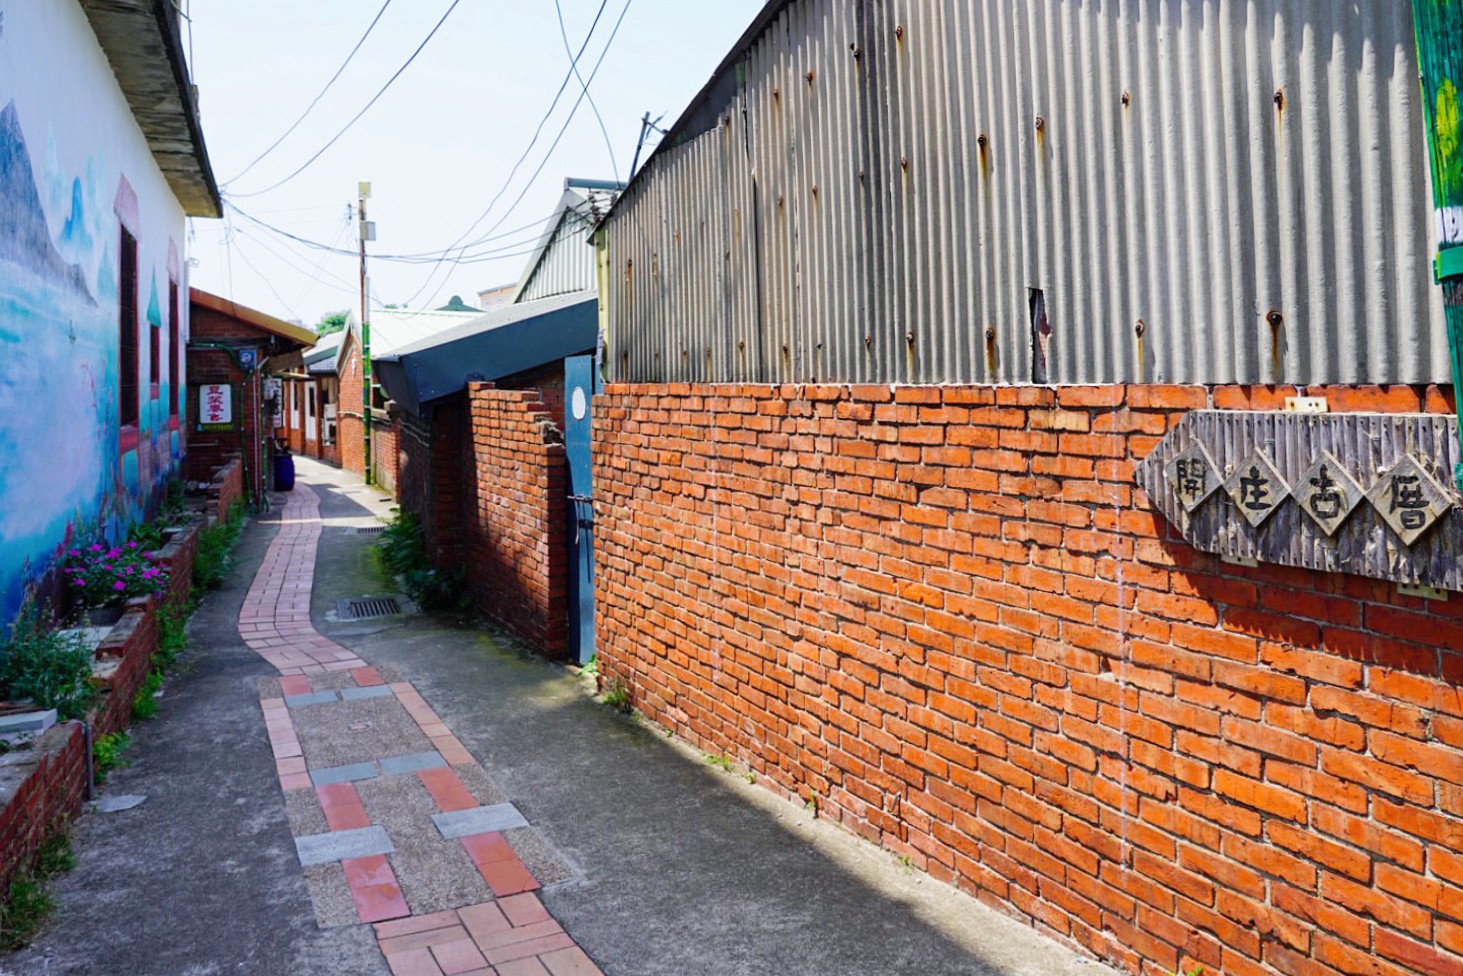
(102, 578)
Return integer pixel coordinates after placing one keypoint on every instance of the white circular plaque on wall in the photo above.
(577, 403)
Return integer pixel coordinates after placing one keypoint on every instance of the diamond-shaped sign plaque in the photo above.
(1409, 499)
(1193, 475)
(1256, 488)
(1327, 492)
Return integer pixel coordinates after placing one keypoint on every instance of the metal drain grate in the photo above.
(368, 607)
(368, 530)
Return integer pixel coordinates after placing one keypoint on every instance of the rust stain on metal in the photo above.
(1279, 99)
(1139, 330)
(899, 33)
(1276, 321)
(990, 351)
(983, 142)
(810, 76)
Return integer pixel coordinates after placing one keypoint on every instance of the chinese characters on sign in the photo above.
(1406, 496)
(1408, 499)
(1192, 475)
(1327, 493)
(215, 407)
(1257, 488)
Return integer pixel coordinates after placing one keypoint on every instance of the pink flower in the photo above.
(94, 548)
(131, 545)
(119, 586)
(74, 552)
(113, 554)
(78, 581)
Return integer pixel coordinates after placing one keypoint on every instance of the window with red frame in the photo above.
(175, 353)
(127, 331)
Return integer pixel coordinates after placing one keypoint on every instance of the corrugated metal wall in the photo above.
(893, 178)
(567, 263)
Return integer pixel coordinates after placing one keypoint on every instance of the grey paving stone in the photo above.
(341, 844)
(478, 820)
(397, 765)
(355, 694)
(343, 774)
(313, 698)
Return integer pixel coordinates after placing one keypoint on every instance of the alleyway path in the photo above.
(371, 781)
(316, 807)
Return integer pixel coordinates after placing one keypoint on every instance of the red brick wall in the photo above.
(46, 795)
(948, 615)
(385, 435)
(548, 380)
(349, 436)
(435, 456)
(226, 488)
(516, 550)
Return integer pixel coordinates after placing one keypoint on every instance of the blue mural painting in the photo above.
(63, 473)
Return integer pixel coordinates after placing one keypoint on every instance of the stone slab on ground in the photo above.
(478, 820)
(340, 845)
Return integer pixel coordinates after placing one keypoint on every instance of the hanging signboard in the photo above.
(216, 406)
(274, 400)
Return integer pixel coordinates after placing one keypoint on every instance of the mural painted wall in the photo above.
(75, 173)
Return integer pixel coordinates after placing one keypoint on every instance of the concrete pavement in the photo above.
(627, 845)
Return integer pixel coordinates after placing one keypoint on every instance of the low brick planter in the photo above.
(43, 787)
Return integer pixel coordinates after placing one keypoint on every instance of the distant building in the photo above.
(391, 328)
(496, 297)
(100, 163)
(243, 351)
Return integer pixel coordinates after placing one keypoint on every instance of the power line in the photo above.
(424, 257)
(374, 98)
(574, 67)
(547, 155)
(316, 101)
(533, 140)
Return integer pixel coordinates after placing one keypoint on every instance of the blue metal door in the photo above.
(580, 379)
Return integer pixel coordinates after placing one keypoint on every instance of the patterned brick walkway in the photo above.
(330, 725)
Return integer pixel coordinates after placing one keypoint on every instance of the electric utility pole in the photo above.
(367, 233)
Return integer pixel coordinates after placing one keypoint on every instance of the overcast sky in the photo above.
(437, 146)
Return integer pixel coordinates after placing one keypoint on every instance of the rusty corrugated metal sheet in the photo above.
(874, 189)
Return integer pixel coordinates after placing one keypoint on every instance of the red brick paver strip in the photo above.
(275, 618)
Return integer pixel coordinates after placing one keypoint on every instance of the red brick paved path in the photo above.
(512, 935)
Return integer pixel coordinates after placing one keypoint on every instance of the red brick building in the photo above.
(231, 351)
(390, 329)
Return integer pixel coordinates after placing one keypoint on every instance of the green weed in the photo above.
(216, 550)
(144, 704)
(56, 856)
(592, 668)
(26, 906)
(172, 636)
(402, 549)
(721, 761)
(617, 696)
(107, 752)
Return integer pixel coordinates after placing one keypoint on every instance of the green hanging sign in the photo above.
(1439, 28)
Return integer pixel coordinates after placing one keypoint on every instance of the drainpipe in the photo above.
(1439, 28)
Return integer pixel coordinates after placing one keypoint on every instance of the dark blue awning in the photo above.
(500, 343)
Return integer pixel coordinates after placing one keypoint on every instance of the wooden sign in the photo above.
(1357, 493)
